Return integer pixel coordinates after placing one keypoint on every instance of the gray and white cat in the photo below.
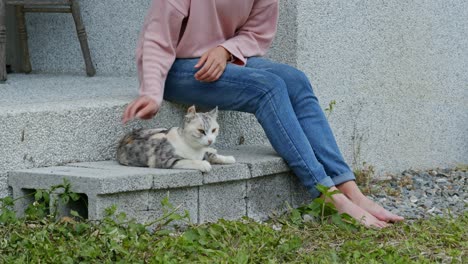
(186, 147)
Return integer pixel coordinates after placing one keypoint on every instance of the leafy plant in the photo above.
(321, 211)
(330, 238)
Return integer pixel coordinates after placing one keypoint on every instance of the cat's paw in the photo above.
(205, 166)
(229, 160)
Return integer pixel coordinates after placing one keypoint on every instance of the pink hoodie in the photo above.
(188, 28)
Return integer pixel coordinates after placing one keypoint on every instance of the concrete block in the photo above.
(82, 180)
(81, 206)
(23, 199)
(262, 160)
(3, 185)
(299, 194)
(223, 173)
(162, 178)
(129, 202)
(224, 200)
(267, 195)
(186, 198)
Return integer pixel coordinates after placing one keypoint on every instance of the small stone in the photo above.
(308, 218)
(276, 227)
(441, 180)
(413, 199)
(382, 200)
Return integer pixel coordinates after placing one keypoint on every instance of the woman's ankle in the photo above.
(351, 190)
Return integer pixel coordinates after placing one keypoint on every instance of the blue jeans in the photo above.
(282, 100)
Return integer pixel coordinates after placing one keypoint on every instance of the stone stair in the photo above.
(257, 185)
(52, 119)
(60, 126)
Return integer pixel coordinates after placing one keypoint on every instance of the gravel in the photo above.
(416, 194)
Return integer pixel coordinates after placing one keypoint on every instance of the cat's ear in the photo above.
(214, 113)
(191, 110)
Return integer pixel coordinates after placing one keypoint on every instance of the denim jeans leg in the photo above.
(261, 93)
(311, 117)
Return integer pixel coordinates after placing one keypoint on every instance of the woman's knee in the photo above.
(271, 85)
(297, 83)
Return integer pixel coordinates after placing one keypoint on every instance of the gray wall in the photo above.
(397, 69)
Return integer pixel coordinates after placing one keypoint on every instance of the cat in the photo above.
(186, 147)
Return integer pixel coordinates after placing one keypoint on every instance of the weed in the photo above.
(364, 175)
(330, 238)
(330, 108)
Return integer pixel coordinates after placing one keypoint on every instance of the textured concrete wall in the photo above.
(112, 27)
(398, 71)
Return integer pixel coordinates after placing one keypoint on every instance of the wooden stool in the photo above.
(47, 6)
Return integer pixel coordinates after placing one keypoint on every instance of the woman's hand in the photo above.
(143, 107)
(214, 62)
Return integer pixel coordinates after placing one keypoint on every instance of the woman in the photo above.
(205, 52)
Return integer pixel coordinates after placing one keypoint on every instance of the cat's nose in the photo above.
(210, 141)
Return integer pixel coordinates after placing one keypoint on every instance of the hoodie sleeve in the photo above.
(156, 49)
(255, 36)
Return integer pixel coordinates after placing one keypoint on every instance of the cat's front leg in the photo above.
(201, 165)
(219, 159)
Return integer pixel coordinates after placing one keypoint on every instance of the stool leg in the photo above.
(80, 29)
(23, 36)
(3, 73)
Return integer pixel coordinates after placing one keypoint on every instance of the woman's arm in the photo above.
(157, 47)
(255, 36)
(155, 55)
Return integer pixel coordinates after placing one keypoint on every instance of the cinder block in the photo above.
(23, 199)
(186, 198)
(267, 195)
(223, 200)
(3, 185)
(162, 178)
(129, 202)
(82, 180)
(299, 194)
(223, 173)
(262, 160)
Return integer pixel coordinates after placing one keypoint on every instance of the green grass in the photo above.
(328, 238)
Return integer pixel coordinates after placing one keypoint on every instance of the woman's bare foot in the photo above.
(344, 205)
(351, 190)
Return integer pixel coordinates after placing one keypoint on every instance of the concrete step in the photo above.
(258, 184)
(49, 120)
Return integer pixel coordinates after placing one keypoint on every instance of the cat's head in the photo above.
(201, 129)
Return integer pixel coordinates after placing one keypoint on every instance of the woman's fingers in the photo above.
(202, 60)
(143, 107)
(219, 74)
(130, 111)
(214, 62)
(208, 74)
(215, 74)
(147, 112)
(205, 71)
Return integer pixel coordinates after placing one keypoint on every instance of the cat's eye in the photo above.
(201, 131)
(214, 130)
